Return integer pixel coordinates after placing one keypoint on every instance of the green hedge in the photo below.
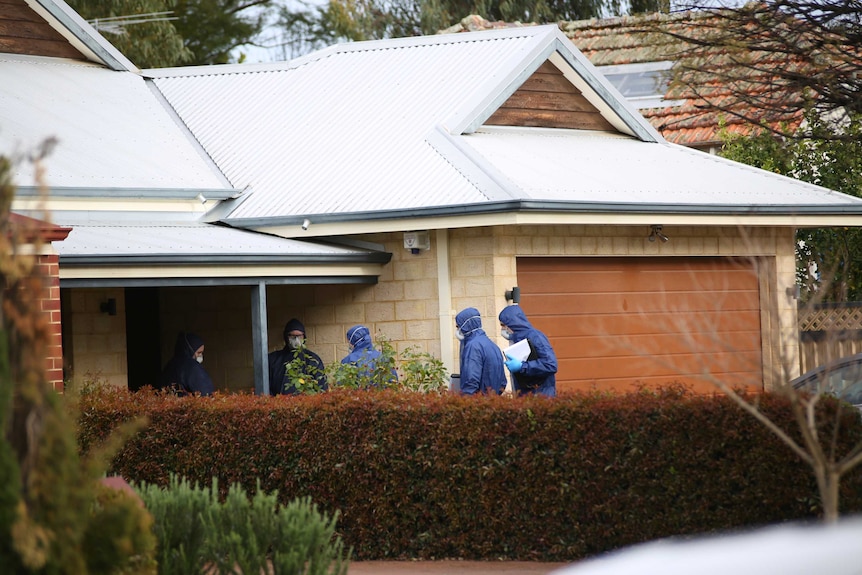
(426, 476)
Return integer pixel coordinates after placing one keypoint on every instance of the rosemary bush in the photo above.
(241, 535)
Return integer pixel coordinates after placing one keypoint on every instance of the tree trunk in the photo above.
(828, 481)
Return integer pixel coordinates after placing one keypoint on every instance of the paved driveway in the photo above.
(451, 567)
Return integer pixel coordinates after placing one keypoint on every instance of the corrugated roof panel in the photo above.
(184, 239)
(346, 131)
(111, 130)
(580, 166)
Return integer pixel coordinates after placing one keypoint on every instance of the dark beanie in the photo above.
(293, 325)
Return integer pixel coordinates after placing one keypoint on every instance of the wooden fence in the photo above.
(829, 331)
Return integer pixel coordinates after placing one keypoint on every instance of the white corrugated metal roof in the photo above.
(346, 130)
(581, 166)
(366, 128)
(112, 131)
(185, 240)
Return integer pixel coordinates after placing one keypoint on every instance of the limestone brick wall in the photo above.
(96, 341)
(402, 307)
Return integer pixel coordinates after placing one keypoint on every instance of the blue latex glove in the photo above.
(514, 365)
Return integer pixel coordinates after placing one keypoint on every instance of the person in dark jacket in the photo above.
(184, 373)
(536, 374)
(365, 356)
(308, 363)
(481, 360)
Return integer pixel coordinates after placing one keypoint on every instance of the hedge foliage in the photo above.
(424, 476)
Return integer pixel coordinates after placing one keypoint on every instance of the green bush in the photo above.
(198, 532)
(418, 371)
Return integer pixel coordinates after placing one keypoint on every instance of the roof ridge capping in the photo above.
(444, 38)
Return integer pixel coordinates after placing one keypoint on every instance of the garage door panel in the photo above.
(695, 383)
(644, 302)
(615, 321)
(655, 344)
(609, 325)
(622, 282)
(682, 366)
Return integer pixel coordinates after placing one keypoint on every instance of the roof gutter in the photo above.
(534, 206)
(130, 193)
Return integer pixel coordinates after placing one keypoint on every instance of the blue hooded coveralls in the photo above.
(363, 355)
(536, 375)
(182, 373)
(481, 360)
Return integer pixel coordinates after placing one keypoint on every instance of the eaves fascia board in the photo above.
(214, 281)
(205, 260)
(81, 35)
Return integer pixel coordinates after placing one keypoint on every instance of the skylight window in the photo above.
(643, 84)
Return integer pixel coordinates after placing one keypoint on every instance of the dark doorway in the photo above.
(143, 347)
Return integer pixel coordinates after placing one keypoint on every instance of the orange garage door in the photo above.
(619, 323)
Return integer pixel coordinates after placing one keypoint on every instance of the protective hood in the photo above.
(513, 317)
(187, 344)
(468, 320)
(359, 337)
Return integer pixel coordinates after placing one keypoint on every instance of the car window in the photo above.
(844, 382)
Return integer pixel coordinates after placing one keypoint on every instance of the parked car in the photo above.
(841, 378)
(792, 549)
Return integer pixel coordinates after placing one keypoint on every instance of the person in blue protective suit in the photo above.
(184, 374)
(307, 362)
(536, 374)
(366, 357)
(481, 360)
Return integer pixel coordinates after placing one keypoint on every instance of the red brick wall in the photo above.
(50, 305)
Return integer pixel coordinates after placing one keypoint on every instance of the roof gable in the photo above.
(23, 31)
(51, 28)
(549, 100)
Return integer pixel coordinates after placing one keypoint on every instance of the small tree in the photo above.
(829, 260)
(53, 516)
(768, 60)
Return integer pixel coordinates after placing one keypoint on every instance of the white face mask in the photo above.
(199, 358)
(294, 341)
(506, 333)
(459, 334)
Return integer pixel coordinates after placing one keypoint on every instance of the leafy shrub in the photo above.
(197, 532)
(419, 371)
(423, 372)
